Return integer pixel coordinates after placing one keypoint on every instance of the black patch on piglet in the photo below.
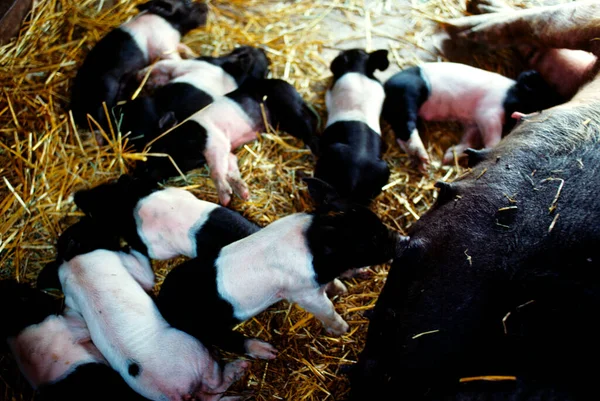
(359, 61)
(133, 369)
(529, 94)
(182, 15)
(222, 227)
(90, 382)
(22, 306)
(348, 238)
(405, 93)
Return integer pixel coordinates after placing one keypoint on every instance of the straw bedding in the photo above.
(44, 158)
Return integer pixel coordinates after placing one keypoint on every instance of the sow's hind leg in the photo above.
(571, 26)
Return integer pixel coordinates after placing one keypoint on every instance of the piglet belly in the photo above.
(50, 351)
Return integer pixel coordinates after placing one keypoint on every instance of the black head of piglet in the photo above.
(243, 63)
(83, 237)
(344, 236)
(112, 205)
(184, 15)
(358, 60)
(531, 93)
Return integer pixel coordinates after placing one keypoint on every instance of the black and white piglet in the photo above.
(185, 86)
(155, 359)
(211, 134)
(350, 147)
(162, 223)
(295, 259)
(482, 101)
(55, 352)
(107, 69)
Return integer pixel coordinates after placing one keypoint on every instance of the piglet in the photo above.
(211, 134)
(55, 352)
(155, 359)
(162, 223)
(182, 87)
(106, 70)
(350, 147)
(293, 259)
(481, 100)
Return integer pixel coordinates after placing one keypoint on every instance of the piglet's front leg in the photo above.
(159, 74)
(414, 147)
(471, 139)
(317, 303)
(185, 51)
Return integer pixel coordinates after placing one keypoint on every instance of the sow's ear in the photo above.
(325, 196)
(378, 60)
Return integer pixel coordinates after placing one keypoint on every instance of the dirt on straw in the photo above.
(44, 158)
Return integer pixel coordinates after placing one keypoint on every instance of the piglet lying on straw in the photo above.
(295, 258)
(154, 33)
(155, 359)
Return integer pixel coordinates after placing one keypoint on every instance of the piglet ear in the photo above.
(167, 121)
(159, 7)
(324, 195)
(378, 60)
(339, 64)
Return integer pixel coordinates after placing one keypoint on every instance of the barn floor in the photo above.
(43, 161)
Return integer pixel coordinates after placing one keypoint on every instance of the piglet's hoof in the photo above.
(260, 349)
(235, 370)
(239, 187)
(336, 287)
(338, 330)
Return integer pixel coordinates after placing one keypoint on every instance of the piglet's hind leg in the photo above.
(217, 157)
(232, 372)
(235, 178)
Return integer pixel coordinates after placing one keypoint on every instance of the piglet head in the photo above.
(531, 93)
(243, 63)
(358, 60)
(344, 235)
(184, 15)
(111, 204)
(82, 237)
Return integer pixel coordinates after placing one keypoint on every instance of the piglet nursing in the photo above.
(482, 101)
(156, 360)
(295, 258)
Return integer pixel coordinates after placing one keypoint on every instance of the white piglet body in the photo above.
(263, 279)
(49, 351)
(463, 93)
(156, 360)
(155, 37)
(355, 97)
(165, 231)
